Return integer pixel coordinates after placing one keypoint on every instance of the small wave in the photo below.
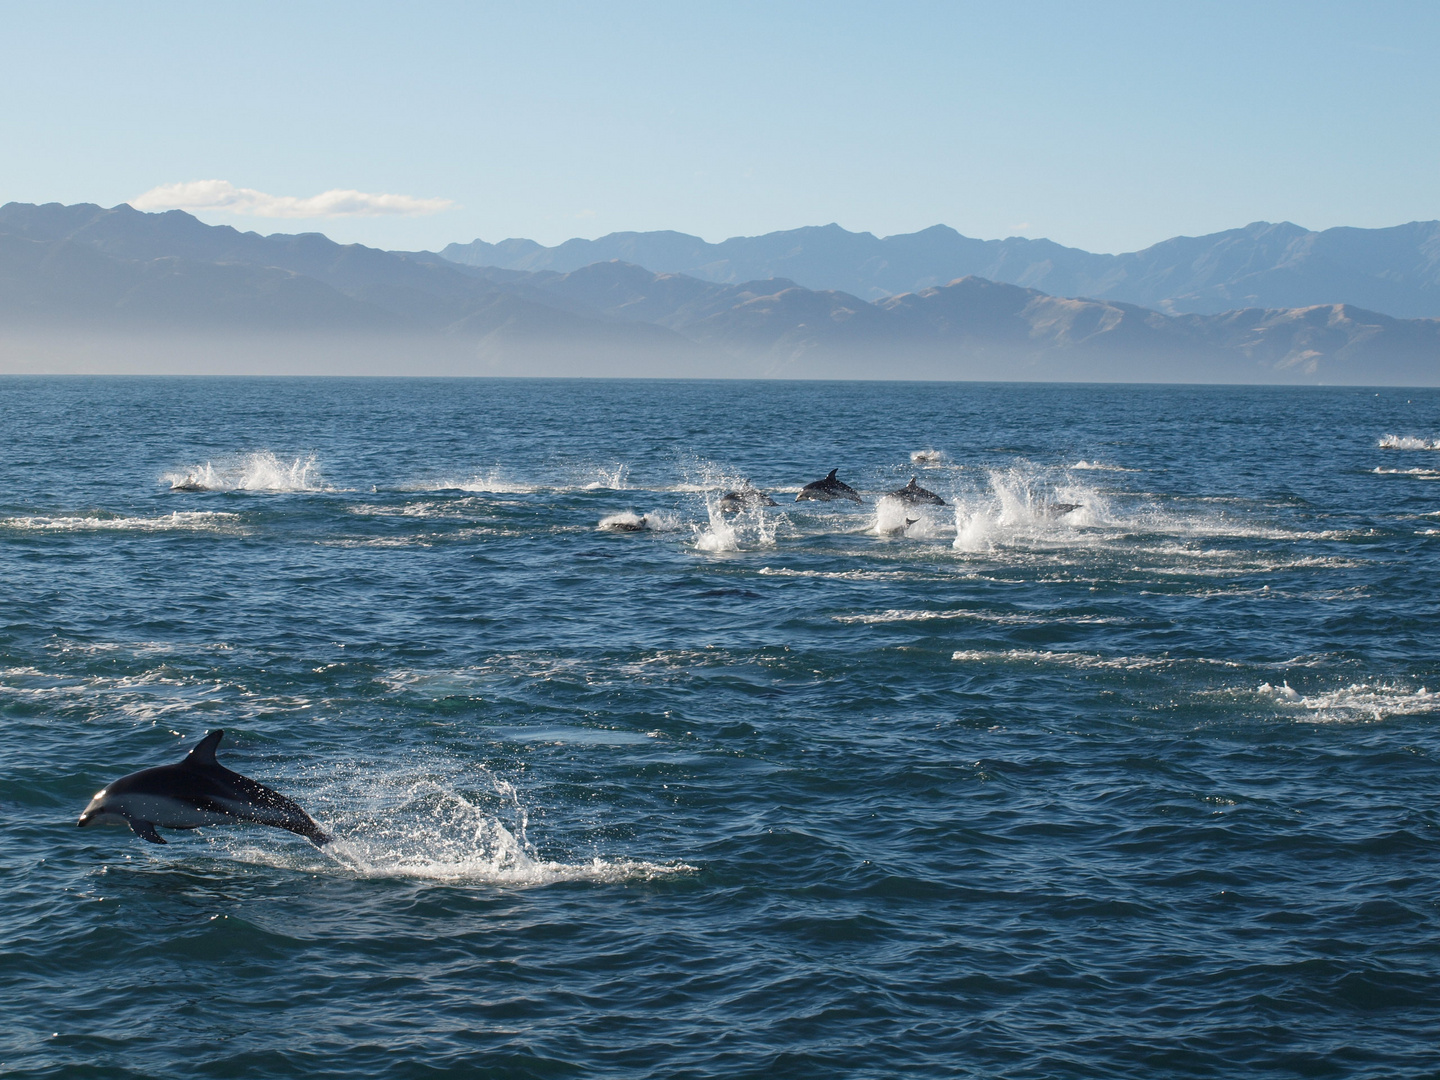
(1408, 442)
(927, 457)
(839, 575)
(491, 483)
(897, 615)
(180, 521)
(1094, 466)
(1041, 656)
(1423, 474)
(378, 542)
(258, 471)
(1082, 660)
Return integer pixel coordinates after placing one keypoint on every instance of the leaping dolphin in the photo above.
(828, 490)
(744, 498)
(913, 493)
(197, 791)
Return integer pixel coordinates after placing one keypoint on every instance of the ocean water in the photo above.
(1121, 764)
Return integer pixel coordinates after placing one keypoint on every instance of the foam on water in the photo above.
(261, 470)
(1065, 659)
(179, 521)
(494, 482)
(1423, 474)
(1007, 618)
(1356, 702)
(837, 575)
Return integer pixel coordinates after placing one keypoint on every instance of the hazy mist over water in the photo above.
(1120, 763)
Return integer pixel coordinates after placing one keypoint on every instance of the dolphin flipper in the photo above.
(146, 831)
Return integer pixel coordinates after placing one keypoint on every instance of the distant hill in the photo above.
(84, 270)
(1394, 270)
(974, 328)
(167, 292)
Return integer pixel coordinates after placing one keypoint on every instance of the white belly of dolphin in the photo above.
(167, 813)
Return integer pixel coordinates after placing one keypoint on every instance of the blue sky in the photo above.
(1107, 126)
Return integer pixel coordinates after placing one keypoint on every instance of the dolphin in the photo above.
(913, 493)
(828, 490)
(744, 498)
(625, 522)
(197, 791)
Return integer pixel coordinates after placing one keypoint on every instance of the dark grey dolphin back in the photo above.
(202, 761)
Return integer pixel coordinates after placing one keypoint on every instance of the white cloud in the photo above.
(223, 195)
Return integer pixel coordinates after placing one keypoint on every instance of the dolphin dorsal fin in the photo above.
(914, 482)
(832, 474)
(204, 752)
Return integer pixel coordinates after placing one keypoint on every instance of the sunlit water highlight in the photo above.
(1122, 763)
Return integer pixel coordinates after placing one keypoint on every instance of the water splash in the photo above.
(258, 471)
(436, 828)
(629, 521)
(917, 521)
(1408, 442)
(615, 478)
(494, 482)
(1356, 702)
(719, 533)
(1025, 503)
(751, 525)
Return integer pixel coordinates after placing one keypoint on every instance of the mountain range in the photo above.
(1395, 270)
(90, 288)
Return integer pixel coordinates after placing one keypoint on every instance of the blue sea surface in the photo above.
(1123, 763)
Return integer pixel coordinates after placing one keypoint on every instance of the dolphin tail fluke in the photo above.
(310, 830)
